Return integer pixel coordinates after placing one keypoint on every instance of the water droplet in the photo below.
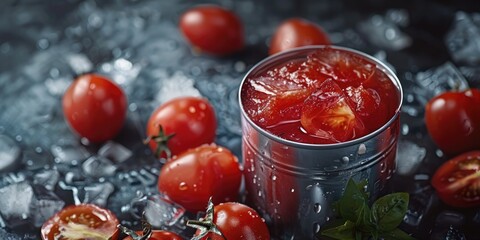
(183, 186)
(345, 159)
(259, 193)
(18, 138)
(317, 208)
(405, 129)
(274, 177)
(439, 153)
(383, 167)
(362, 149)
(292, 190)
(316, 227)
(38, 150)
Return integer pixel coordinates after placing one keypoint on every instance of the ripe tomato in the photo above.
(160, 235)
(453, 121)
(85, 221)
(234, 221)
(213, 29)
(95, 107)
(297, 32)
(457, 181)
(194, 176)
(186, 122)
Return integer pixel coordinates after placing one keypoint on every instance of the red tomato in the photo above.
(194, 176)
(95, 107)
(85, 221)
(453, 121)
(237, 221)
(160, 235)
(297, 32)
(213, 29)
(191, 120)
(457, 181)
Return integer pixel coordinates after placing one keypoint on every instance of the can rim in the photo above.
(380, 65)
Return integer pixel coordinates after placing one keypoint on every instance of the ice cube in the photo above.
(98, 166)
(463, 39)
(422, 200)
(121, 70)
(115, 152)
(159, 211)
(98, 193)
(79, 63)
(176, 85)
(15, 200)
(45, 205)
(409, 157)
(47, 178)
(384, 33)
(9, 154)
(23, 203)
(440, 79)
(4, 235)
(69, 154)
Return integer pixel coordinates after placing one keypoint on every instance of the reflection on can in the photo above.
(293, 185)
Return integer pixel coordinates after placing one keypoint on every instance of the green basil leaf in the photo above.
(364, 221)
(388, 211)
(362, 187)
(342, 232)
(397, 234)
(350, 204)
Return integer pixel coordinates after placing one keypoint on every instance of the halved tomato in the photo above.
(84, 221)
(457, 181)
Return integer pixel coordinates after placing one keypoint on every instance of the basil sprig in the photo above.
(380, 221)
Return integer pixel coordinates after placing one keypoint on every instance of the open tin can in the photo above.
(293, 185)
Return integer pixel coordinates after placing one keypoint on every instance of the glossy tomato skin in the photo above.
(191, 120)
(457, 181)
(160, 235)
(194, 176)
(213, 29)
(95, 107)
(453, 121)
(238, 221)
(96, 218)
(297, 32)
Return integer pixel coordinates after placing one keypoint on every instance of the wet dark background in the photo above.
(433, 45)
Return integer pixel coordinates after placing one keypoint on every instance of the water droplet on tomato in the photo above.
(183, 186)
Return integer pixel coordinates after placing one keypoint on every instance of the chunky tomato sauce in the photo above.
(330, 96)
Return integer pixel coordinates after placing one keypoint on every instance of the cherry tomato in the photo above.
(453, 121)
(457, 181)
(235, 221)
(95, 107)
(194, 176)
(297, 32)
(213, 29)
(160, 235)
(186, 122)
(85, 221)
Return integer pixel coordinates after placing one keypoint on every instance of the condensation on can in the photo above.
(293, 185)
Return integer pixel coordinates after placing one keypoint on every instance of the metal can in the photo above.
(293, 185)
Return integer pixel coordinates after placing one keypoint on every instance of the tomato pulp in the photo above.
(329, 96)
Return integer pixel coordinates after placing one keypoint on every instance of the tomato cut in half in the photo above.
(85, 221)
(457, 181)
